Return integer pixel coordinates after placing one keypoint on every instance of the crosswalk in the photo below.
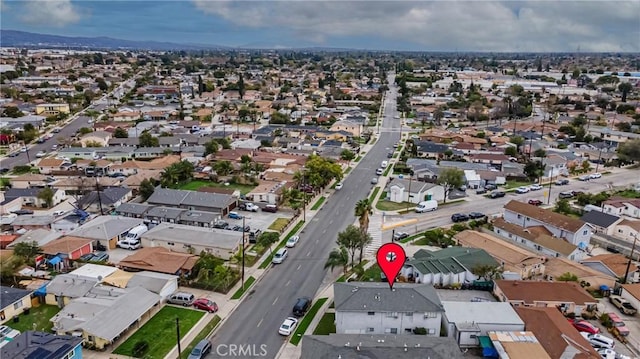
(375, 230)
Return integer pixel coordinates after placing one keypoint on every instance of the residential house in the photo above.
(7, 206)
(60, 251)
(631, 292)
(13, 302)
(402, 190)
(267, 192)
(448, 266)
(601, 222)
(29, 180)
(30, 196)
(192, 200)
(629, 207)
(188, 239)
(65, 287)
(569, 297)
(354, 346)
(628, 230)
(614, 265)
(557, 268)
(514, 260)
(132, 210)
(160, 260)
(159, 283)
(612, 137)
(466, 322)
(555, 165)
(371, 308)
(78, 152)
(106, 229)
(52, 109)
(104, 314)
(473, 179)
(96, 138)
(513, 345)
(29, 222)
(538, 239)
(31, 344)
(105, 199)
(126, 116)
(431, 149)
(40, 236)
(493, 160)
(50, 165)
(556, 334)
(163, 214)
(354, 128)
(528, 216)
(7, 239)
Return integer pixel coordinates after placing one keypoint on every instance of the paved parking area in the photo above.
(117, 254)
(632, 322)
(259, 220)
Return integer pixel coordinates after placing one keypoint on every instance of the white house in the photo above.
(628, 230)
(558, 225)
(631, 292)
(371, 308)
(466, 321)
(622, 207)
(473, 179)
(402, 190)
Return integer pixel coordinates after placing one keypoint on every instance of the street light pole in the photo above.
(626, 273)
(243, 237)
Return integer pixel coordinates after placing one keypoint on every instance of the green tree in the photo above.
(350, 240)
(120, 133)
(320, 171)
(450, 178)
(567, 277)
(540, 153)
(534, 169)
(486, 272)
(363, 210)
(518, 141)
(147, 140)
(210, 147)
(46, 194)
(339, 257)
(625, 88)
(563, 206)
(27, 251)
(511, 151)
(629, 151)
(146, 189)
(347, 155)
(223, 168)
(84, 130)
(267, 238)
(12, 111)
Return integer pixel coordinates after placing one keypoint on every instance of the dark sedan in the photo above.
(476, 215)
(459, 217)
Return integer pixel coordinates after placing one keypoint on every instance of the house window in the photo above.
(510, 236)
(528, 219)
(171, 244)
(370, 330)
(409, 314)
(584, 233)
(473, 336)
(432, 331)
(392, 314)
(430, 315)
(408, 330)
(70, 355)
(391, 330)
(17, 305)
(371, 313)
(90, 338)
(519, 216)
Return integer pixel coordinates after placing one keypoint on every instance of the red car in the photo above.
(205, 304)
(535, 202)
(584, 326)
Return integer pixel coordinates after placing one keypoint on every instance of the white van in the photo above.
(384, 164)
(427, 206)
(136, 232)
(599, 341)
(129, 243)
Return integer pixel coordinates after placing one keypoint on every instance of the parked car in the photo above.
(253, 235)
(301, 306)
(221, 225)
(292, 241)
(459, 217)
(183, 298)
(390, 155)
(599, 340)
(576, 193)
(522, 190)
(595, 175)
(201, 350)
(497, 194)
(584, 326)
(100, 257)
(21, 212)
(288, 326)
(235, 215)
(58, 213)
(481, 191)
(476, 215)
(374, 180)
(86, 257)
(280, 256)
(251, 207)
(490, 187)
(584, 178)
(41, 154)
(565, 195)
(535, 187)
(535, 202)
(562, 182)
(339, 186)
(623, 305)
(272, 208)
(618, 324)
(205, 304)
(400, 235)
(379, 171)
(427, 206)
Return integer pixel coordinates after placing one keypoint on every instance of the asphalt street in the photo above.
(256, 320)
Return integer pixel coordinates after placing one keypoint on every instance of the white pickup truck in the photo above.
(251, 207)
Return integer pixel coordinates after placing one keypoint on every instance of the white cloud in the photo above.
(50, 12)
(449, 25)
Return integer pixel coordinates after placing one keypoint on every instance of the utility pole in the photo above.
(550, 183)
(409, 193)
(243, 237)
(626, 273)
(27, 152)
(99, 198)
(178, 337)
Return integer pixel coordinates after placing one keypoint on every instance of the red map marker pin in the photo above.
(391, 257)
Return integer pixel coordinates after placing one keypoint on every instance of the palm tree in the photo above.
(362, 211)
(338, 257)
(223, 168)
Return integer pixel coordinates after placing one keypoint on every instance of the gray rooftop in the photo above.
(372, 297)
(105, 227)
(165, 212)
(71, 286)
(10, 295)
(362, 346)
(599, 219)
(175, 197)
(151, 281)
(33, 220)
(39, 345)
(200, 236)
(198, 216)
(481, 313)
(133, 208)
(39, 235)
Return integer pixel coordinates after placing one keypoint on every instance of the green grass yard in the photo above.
(384, 205)
(374, 194)
(213, 323)
(318, 203)
(326, 325)
(296, 337)
(516, 184)
(247, 284)
(161, 326)
(195, 185)
(279, 224)
(37, 315)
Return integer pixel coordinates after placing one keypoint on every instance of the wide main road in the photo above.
(254, 323)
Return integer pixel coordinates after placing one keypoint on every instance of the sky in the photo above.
(417, 25)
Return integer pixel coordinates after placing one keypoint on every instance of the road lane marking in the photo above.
(308, 253)
(260, 322)
(274, 302)
(287, 284)
(317, 241)
(299, 265)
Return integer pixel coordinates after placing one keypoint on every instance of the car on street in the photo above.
(584, 178)
(301, 306)
(288, 326)
(379, 171)
(497, 194)
(619, 324)
(599, 340)
(201, 350)
(459, 217)
(271, 208)
(339, 186)
(14, 154)
(535, 187)
(205, 304)
(622, 304)
(21, 212)
(481, 191)
(280, 256)
(535, 202)
(522, 190)
(565, 195)
(476, 215)
(400, 235)
(490, 187)
(374, 180)
(562, 182)
(390, 155)
(41, 154)
(291, 242)
(595, 175)
(584, 326)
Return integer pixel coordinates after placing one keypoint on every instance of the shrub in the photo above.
(420, 331)
(140, 348)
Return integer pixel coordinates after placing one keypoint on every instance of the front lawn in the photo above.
(327, 325)
(628, 194)
(196, 184)
(374, 194)
(384, 205)
(160, 332)
(213, 323)
(296, 337)
(516, 184)
(38, 315)
(279, 224)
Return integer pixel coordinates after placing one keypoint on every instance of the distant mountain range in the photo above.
(14, 38)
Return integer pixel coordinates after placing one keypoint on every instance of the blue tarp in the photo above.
(42, 291)
(55, 260)
(604, 287)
